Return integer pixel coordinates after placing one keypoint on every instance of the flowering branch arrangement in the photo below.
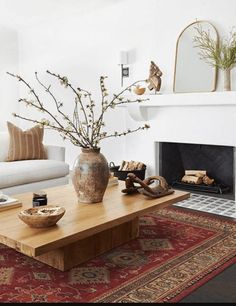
(220, 54)
(83, 128)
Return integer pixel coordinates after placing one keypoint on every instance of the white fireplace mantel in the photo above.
(138, 111)
(188, 118)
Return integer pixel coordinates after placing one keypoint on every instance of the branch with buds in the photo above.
(82, 128)
(220, 54)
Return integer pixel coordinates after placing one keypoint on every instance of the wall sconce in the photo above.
(124, 60)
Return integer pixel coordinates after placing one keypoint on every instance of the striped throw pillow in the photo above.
(25, 144)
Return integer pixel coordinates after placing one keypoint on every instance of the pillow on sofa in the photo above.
(25, 144)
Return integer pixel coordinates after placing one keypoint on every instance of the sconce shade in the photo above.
(123, 58)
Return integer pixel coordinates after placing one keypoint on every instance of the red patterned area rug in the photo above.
(177, 251)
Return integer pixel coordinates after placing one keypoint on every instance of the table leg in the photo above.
(80, 251)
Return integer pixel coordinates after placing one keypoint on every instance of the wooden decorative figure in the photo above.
(154, 77)
(157, 191)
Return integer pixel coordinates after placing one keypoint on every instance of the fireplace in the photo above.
(218, 161)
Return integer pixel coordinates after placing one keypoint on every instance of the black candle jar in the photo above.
(39, 198)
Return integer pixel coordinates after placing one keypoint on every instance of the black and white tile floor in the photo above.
(213, 205)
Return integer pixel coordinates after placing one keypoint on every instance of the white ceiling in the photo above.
(18, 14)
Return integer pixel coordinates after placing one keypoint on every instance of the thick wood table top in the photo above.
(80, 220)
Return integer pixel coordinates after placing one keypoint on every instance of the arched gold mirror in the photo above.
(191, 73)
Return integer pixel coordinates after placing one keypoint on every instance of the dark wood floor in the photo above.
(220, 289)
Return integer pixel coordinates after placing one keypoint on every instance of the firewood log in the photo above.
(140, 166)
(208, 181)
(125, 166)
(135, 165)
(199, 173)
(131, 165)
(191, 179)
(121, 165)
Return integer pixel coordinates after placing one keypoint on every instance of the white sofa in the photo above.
(32, 175)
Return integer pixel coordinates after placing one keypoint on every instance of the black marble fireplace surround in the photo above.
(218, 161)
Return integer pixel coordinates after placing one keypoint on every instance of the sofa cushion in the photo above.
(25, 145)
(29, 171)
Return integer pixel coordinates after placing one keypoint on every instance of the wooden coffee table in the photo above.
(85, 231)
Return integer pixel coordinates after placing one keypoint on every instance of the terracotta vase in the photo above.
(90, 175)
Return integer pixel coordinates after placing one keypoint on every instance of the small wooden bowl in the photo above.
(42, 216)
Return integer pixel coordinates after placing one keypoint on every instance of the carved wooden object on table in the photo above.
(157, 191)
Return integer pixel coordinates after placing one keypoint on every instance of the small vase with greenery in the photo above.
(220, 54)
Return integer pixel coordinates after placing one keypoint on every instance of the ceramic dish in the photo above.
(42, 216)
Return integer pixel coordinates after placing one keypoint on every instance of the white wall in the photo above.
(85, 44)
(83, 48)
(8, 62)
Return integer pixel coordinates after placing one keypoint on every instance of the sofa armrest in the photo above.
(55, 152)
